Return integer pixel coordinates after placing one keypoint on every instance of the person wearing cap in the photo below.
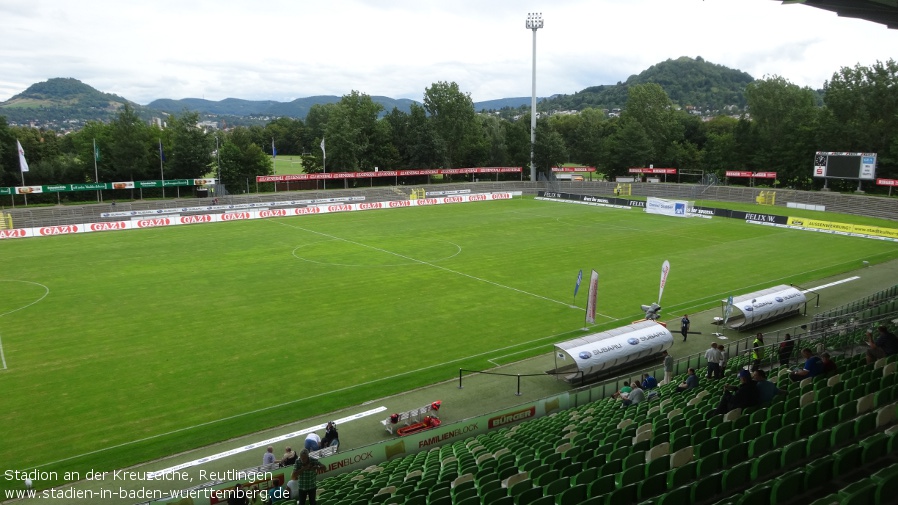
(306, 469)
(741, 396)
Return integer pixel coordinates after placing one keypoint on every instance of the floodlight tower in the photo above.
(534, 22)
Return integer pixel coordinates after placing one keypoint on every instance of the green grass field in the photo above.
(123, 347)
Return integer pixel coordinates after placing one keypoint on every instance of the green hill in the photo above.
(688, 82)
(298, 108)
(61, 99)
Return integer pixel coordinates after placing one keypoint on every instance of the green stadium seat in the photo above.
(818, 474)
(711, 463)
(842, 433)
(765, 464)
(493, 495)
(678, 496)
(585, 476)
(573, 496)
(652, 486)
(787, 487)
(557, 486)
(772, 424)
(827, 419)
(623, 496)
(760, 445)
(681, 476)
(706, 487)
(602, 486)
(874, 447)
(750, 432)
(736, 476)
(862, 492)
(818, 443)
(546, 477)
(793, 454)
(847, 460)
(528, 496)
(756, 495)
(864, 424)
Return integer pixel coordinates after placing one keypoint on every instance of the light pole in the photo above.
(534, 22)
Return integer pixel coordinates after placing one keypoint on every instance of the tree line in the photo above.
(782, 129)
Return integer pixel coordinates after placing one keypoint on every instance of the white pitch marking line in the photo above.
(263, 443)
(836, 283)
(422, 262)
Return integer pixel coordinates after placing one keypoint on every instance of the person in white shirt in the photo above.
(313, 442)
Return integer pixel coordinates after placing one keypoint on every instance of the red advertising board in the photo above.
(747, 174)
(386, 173)
(573, 169)
(887, 182)
(653, 170)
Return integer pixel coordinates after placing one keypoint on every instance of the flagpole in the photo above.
(324, 162)
(96, 176)
(23, 167)
(161, 170)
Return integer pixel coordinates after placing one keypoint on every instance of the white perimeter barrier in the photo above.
(162, 221)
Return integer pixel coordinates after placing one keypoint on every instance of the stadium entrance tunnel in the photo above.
(591, 357)
(755, 309)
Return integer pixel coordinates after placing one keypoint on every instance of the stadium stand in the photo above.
(830, 439)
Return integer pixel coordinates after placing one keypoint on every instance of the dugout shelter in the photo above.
(598, 355)
(754, 309)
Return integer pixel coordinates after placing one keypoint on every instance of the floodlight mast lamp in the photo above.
(534, 22)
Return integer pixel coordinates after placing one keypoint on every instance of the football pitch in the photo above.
(123, 347)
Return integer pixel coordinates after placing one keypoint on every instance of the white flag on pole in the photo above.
(323, 153)
(592, 297)
(665, 269)
(23, 164)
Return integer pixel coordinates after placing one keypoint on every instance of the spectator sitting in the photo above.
(691, 381)
(268, 458)
(829, 366)
(636, 395)
(812, 367)
(623, 393)
(886, 342)
(875, 352)
(292, 486)
(739, 397)
(331, 437)
(289, 457)
(649, 382)
(767, 390)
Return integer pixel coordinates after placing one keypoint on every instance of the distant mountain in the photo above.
(687, 81)
(298, 108)
(502, 103)
(62, 99)
(64, 103)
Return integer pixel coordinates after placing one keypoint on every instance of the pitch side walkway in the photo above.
(481, 393)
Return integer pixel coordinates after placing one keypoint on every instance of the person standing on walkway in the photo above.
(684, 326)
(668, 367)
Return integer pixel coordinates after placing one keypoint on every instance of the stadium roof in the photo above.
(878, 11)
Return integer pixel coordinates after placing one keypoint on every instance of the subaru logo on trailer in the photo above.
(633, 341)
(585, 355)
(779, 299)
(748, 308)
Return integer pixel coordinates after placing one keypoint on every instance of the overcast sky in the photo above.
(286, 49)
